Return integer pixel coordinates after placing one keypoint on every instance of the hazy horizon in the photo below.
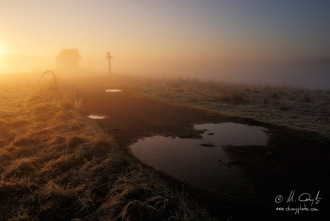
(240, 41)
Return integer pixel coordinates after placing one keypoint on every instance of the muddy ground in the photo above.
(292, 161)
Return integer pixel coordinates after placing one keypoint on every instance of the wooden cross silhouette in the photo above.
(108, 56)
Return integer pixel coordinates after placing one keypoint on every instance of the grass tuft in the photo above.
(23, 141)
(74, 141)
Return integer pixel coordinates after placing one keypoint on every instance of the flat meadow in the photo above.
(57, 164)
(294, 108)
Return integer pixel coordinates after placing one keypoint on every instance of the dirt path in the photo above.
(130, 117)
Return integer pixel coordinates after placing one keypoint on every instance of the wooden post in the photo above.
(108, 56)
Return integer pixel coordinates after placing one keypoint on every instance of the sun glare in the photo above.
(2, 50)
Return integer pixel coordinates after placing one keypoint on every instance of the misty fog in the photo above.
(312, 74)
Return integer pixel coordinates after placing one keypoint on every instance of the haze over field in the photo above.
(164, 110)
(278, 42)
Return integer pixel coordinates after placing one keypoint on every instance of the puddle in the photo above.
(113, 90)
(203, 161)
(96, 117)
(234, 134)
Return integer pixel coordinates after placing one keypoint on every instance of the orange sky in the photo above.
(160, 36)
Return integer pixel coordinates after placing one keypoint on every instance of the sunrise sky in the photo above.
(173, 36)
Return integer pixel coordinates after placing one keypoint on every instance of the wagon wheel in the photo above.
(48, 78)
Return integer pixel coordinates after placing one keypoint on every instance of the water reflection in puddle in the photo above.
(113, 90)
(234, 134)
(202, 161)
(96, 117)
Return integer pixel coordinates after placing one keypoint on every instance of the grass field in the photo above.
(295, 108)
(56, 164)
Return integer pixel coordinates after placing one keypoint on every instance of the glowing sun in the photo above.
(2, 49)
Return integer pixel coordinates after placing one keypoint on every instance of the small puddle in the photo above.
(203, 161)
(113, 90)
(96, 117)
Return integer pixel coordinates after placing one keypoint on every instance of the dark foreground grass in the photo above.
(56, 164)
